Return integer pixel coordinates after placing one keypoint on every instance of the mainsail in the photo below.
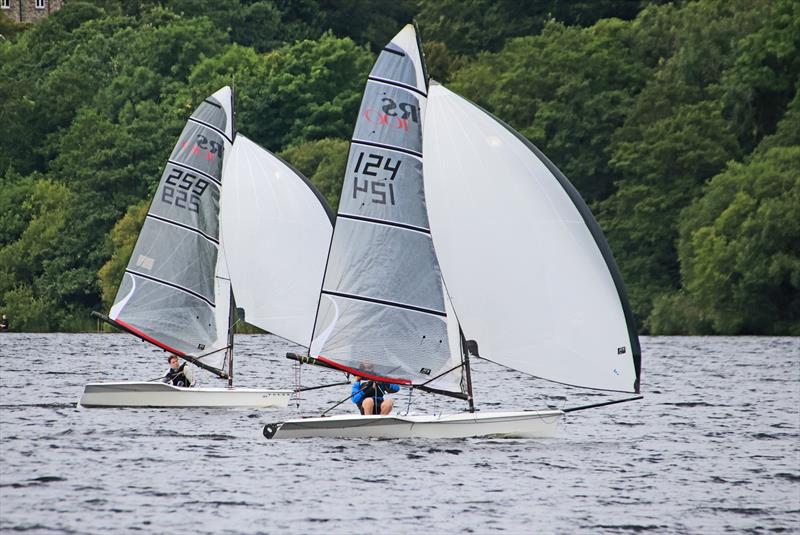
(276, 228)
(175, 292)
(529, 272)
(382, 311)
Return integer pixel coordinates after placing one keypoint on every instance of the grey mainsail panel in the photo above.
(407, 341)
(382, 309)
(168, 293)
(179, 312)
(393, 64)
(398, 253)
(384, 184)
(390, 115)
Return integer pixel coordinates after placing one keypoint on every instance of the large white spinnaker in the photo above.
(382, 311)
(529, 272)
(276, 229)
(170, 293)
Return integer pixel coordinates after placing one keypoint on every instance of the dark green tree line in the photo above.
(677, 122)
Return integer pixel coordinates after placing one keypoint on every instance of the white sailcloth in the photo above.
(528, 270)
(276, 229)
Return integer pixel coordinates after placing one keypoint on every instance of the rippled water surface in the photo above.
(714, 447)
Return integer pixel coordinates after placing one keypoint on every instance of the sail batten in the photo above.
(184, 227)
(394, 304)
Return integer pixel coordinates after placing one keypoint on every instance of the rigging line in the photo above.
(216, 181)
(592, 406)
(212, 352)
(172, 285)
(345, 399)
(307, 388)
(408, 407)
(212, 127)
(441, 374)
(184, 226)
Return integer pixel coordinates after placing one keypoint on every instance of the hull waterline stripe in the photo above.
(364, 374)
(212, 127)
(183, 226)
(387, 147)
(387, 303)
(401, 85)
(190, 168)
(172, 285)
(385, 223)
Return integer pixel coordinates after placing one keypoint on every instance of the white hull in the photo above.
(150, 394)
(528, 424)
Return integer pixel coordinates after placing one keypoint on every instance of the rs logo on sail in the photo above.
(392, 114)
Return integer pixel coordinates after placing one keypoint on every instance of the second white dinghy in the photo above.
(193, 258)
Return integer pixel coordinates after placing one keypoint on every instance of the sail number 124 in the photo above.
(379, 190)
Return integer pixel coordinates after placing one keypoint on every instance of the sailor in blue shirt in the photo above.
(368, 396)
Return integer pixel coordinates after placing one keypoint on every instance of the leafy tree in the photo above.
(123, 239)
(370, 22)
(24, 260)
(323, 162)
(310, 90)
(740, 246)
(675, 138)
(26, 311)
(468, 27)
(14, 213)
(566, 90)
(763, 79)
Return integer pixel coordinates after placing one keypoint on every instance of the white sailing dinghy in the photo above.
(177, 293)
(528, 273)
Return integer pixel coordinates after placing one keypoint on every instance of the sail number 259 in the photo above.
(184, 189)
(378, 190)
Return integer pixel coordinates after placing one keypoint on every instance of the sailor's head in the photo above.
(173, 362)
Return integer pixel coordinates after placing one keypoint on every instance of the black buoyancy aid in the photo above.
(176, 377)
(373, 389)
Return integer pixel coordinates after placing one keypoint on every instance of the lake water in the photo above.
(714, 447)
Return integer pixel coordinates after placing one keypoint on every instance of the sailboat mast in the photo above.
(467, 371)
(231, 314)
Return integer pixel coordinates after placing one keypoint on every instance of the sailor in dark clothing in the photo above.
(368, 396)
(4, 323)
(178, 375)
